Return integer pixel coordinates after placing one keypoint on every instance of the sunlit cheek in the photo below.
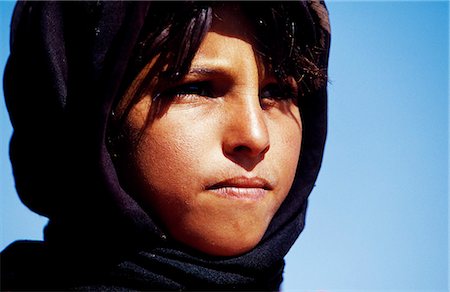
(287, 143)
(296, 128)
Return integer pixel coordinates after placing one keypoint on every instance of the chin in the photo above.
(220, 242)
(234, 248)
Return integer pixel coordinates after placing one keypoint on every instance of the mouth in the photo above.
(242, 187)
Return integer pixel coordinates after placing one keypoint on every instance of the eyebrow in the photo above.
(204, 71)
(211, 70)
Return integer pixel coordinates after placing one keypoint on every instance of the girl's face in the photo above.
(216, 166)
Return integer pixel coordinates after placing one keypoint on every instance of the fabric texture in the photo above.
(67, 65)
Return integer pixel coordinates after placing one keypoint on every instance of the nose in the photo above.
(246, 138)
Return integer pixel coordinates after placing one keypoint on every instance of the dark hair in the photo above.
(284, 37)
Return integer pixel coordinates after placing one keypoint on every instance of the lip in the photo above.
(241, 187)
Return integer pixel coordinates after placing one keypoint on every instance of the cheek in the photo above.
(165, 153)
(161, 168)
(172, 157)
(286, 142)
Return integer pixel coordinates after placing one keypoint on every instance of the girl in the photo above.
(172, 145)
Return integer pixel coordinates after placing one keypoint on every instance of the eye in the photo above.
(274, 93)
(194, 89)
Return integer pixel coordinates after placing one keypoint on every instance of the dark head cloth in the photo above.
(67, 64)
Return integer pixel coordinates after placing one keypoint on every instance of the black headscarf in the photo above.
(68, 64)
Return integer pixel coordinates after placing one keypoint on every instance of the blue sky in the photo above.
(378, 217)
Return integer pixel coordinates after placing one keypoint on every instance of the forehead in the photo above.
(229, 42)
(221, 49)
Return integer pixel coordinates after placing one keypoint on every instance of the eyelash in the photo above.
(277, 92)
(205, 89)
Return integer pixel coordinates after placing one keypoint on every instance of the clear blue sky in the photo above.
(378, 217)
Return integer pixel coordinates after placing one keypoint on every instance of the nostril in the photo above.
(246, 156)
(241, 148)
